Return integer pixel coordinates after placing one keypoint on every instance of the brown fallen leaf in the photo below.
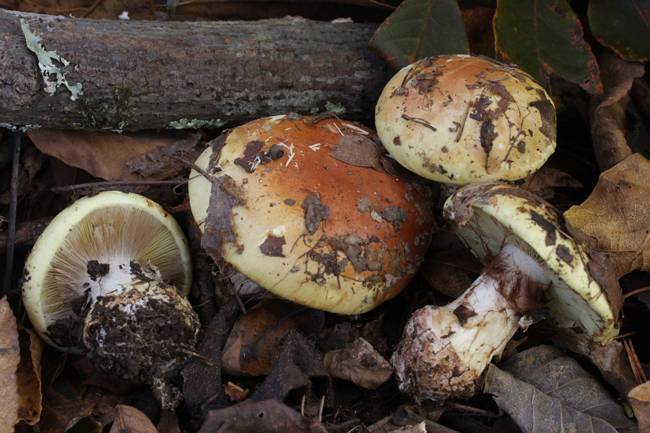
(267, 416)
(359, 363)
(549, 184)
(611, 359)
(299, 366)
(546, 391)
(480, 33)
(114, 156)
(107, 9)
(639, 399)
(449, 268)
(168, 422)
(29, 377)
(607, 111)
(9, 359)
(131, 420)
(235, 392)
(254, 342)
(615, 218)
(416, 428)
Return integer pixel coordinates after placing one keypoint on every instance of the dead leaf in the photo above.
(549, 183)
(607, 112)
(254, 342)
(615, 218)
(130, 420)
(359, 363)
(480, 33)
(168, 422)
(113, 156)
(358, 150)
(235, 392)
(449, 268)
(29, 377)
(268, 416)
(298, 366)
(545, 391)
(202, 374)
(611, 359)
(639, 398)
(416, 428)
(9, 359)
(107, 9)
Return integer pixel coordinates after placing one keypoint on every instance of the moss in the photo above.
(197, 123)
(115, 114)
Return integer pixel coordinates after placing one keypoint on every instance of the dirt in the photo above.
(315, 212)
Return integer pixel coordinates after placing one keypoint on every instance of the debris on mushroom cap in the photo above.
(89, 247)
(461, 119)
(303, 207)
(584, 292)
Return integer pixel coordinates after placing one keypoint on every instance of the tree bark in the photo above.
(150, 75)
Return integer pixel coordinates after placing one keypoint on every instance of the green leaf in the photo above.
(545, 37)
(623, 26)
(420, 28)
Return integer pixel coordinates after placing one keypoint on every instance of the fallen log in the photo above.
(72, 73)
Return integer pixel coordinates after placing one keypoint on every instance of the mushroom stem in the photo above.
(444, 350)
(142, 332)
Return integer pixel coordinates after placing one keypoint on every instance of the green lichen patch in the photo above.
(197, 124)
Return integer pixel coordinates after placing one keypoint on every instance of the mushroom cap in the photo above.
(303, 207)
(461, 119)
(584, 291)
(109, 230)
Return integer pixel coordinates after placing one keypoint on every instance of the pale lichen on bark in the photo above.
(53, 75)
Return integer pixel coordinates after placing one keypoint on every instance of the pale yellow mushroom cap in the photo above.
(462, 119)
(584, 291)
(107, 231)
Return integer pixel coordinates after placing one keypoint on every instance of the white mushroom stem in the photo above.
(444, 350)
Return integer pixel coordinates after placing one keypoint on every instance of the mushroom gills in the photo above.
(445, 349)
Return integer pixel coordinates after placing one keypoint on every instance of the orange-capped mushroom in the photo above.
(304, 207)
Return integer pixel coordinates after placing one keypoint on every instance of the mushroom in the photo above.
(108, 277)
(530, 261)
(461, 119)
(303, 207)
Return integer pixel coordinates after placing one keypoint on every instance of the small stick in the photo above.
(636, 292)
(320, 409)
(15, 140)
(108, 184)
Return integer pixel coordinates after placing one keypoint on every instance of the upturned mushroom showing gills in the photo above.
(304, 207)
(530, 261)
(461, 119)
(108, 277)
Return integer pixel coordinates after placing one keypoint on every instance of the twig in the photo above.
(15, 141)
(636, 292)
(419, 122)
(196, 168)
(108, 184)
(637, 369)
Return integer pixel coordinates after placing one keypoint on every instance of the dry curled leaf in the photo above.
(130, 420)
(615, 218)
(639, 399)
(113, 156)
(607, 114)
(29, 377)
(268, 416)
(235, 392)
(9, 359)
(545, 391)
(168, 422)
(359, 363)
(254, 342)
